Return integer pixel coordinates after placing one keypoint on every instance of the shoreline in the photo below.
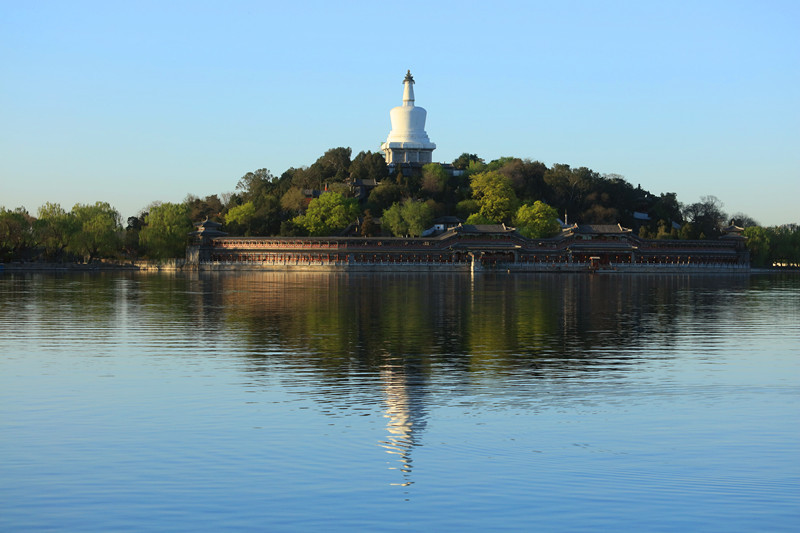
(179, 265)
(129, 266)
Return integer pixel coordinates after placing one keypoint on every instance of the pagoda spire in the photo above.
(408, 90)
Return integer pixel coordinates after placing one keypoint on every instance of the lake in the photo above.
(387, 402)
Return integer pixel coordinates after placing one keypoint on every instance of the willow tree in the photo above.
(166, 230)
(98, 230)
(53, 229)
(15, 233)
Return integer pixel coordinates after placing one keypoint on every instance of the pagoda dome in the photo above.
(407, 141)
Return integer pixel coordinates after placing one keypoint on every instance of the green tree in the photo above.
(331, 167)
(411, 217)
(130, 239)
(568, 187)
(597, 213)
(418, 215)
(98, 230)
(298, 177)
(537, 221)
(667, 208)
(479, 220)
(263, 190)
(268, 216)
(785, 245)
(166, 230)
(340, 187)
(465, 208)
(475, 167)
(393, 221)
(434, 179)
(255, 184)
(527, 177)
(369, 165)
(759, 242)
(15, 233)
(497, 164)
(293, 200)
(368, 227)
(463, 161)
(329, 213)
(290, 229)
(53, 229)
(241, 218)
(494, 194)
(663, 230)
(706, 216)
(383, 196)
(334, 164)
(200, 209)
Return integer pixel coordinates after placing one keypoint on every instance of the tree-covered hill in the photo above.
(338, 189)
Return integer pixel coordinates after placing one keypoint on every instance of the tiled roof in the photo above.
(484, 228)
(208, 224)
(601, 228)
(447, 220)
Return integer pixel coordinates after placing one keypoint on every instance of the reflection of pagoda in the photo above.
(406, 413)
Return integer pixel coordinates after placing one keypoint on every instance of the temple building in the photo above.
(578, 248)
(407, 141)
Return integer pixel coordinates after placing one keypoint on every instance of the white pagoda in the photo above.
(408, 142)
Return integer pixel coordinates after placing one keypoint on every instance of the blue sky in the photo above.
(137, 102)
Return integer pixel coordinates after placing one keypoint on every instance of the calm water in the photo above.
(266, 401)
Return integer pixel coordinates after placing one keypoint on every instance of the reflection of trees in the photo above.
(98, 305)
(381, 339)
(388, 341)
(337, 324)
(341, 323)
(57, 302)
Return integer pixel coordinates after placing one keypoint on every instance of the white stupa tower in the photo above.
(408, 142)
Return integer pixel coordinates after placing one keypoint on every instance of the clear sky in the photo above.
(137, 102)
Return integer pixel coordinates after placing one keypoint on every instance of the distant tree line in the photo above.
(339, 190)
(777, 245)
(92, 231)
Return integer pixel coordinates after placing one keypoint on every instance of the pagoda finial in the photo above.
(409, 77)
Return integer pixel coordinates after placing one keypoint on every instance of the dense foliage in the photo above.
(339, 191)
(409, 218)
(328, 214)
(778, 246)
(165, 229)
(536, 221)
